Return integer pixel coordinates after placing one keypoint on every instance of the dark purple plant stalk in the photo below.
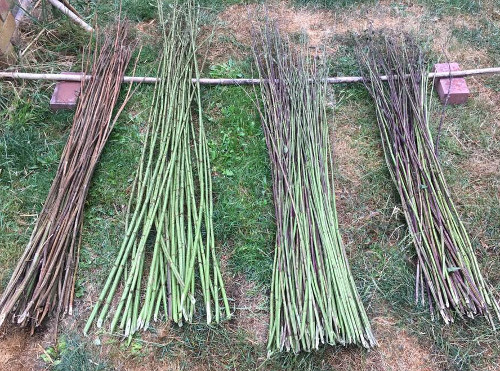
(447, 269)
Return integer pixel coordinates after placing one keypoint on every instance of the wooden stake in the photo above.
(57, 4)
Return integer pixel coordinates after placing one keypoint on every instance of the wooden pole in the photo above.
(207, 81)
(57, 4)
(70, 7)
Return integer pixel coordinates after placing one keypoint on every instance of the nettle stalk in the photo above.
(167, 257)
(448, 274)
(314, 299)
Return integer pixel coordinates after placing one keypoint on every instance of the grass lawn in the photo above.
(370, 216)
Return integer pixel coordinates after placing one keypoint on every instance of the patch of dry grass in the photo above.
(397, 351)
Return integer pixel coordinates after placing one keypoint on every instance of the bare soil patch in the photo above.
(19, 350)
(234, 29)
(234, 26)
(397, 351)
(249, 303)
(251, 314)
(483, 166)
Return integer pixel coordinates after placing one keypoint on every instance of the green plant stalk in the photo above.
(171, 200)
(313, 295)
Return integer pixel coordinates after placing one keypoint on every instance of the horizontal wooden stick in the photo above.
(75, 18)
(207, 81)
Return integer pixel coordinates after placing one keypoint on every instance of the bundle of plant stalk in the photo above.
(169, 240)
(314, 299)
(44, 278)
(448, 273)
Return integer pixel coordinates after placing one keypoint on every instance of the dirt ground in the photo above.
(19, 350)
(397, 351)
(321, 26)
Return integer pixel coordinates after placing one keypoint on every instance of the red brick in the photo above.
(456, 87)
(65, 94)
(446, 67)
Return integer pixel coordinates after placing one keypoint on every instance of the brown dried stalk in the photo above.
(44, 278)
